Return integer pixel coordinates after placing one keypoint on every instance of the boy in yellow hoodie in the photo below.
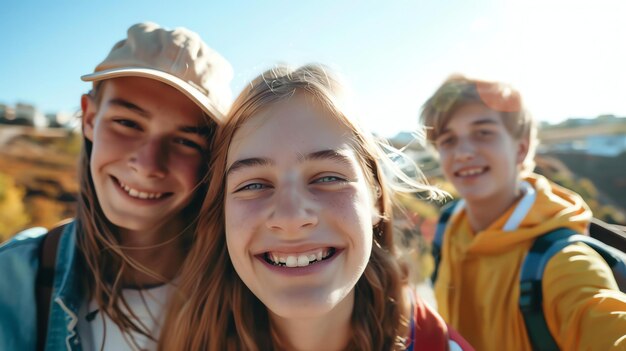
(486, 140)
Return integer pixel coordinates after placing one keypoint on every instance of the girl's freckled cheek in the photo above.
(243, 214)
(340, 202)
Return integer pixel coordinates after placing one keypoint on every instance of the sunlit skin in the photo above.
(482, 160)
(302, 191)
(148, 137)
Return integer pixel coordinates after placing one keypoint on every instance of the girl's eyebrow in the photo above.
(339, 156)
(248, 162)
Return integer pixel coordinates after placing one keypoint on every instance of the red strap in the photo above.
(431, 332)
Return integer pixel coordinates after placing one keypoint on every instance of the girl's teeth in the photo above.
(303, 261)
(299, 260)
(292, 261)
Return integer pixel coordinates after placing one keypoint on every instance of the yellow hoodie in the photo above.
(477, 288)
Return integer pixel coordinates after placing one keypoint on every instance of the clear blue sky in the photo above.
(567, 57)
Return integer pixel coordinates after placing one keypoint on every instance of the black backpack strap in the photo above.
(446, 213)
(44, 282)
(610, 234)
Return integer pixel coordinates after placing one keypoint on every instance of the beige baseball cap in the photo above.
(176, 57)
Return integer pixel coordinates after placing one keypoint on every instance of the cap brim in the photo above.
(189, 90)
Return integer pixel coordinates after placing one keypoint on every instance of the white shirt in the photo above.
(149, 310)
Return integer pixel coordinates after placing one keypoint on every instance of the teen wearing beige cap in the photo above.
(101, 280)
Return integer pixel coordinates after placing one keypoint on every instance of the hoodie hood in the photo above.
(544, 207)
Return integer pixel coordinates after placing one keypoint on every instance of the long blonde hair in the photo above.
(101, 253)
(214, 310)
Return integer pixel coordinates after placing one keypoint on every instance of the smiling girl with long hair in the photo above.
(295, 245)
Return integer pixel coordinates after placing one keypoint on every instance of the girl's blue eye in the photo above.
(328, 179)
(253, 186)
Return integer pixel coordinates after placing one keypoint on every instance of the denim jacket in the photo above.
(19, 263)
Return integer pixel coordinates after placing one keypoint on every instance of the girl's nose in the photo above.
(293, 211)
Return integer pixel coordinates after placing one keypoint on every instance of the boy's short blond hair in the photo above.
(458, 91)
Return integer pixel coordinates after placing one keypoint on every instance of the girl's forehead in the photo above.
(296, 125)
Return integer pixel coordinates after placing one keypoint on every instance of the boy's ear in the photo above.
(88, 107)
(522, 149)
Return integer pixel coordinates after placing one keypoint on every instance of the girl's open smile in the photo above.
(301, 264)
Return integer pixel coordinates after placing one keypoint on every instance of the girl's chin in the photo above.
(299, 312)
(319, 304)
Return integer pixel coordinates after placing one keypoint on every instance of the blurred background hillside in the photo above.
(38, 183)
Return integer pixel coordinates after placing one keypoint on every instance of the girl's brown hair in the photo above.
(214, 310)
